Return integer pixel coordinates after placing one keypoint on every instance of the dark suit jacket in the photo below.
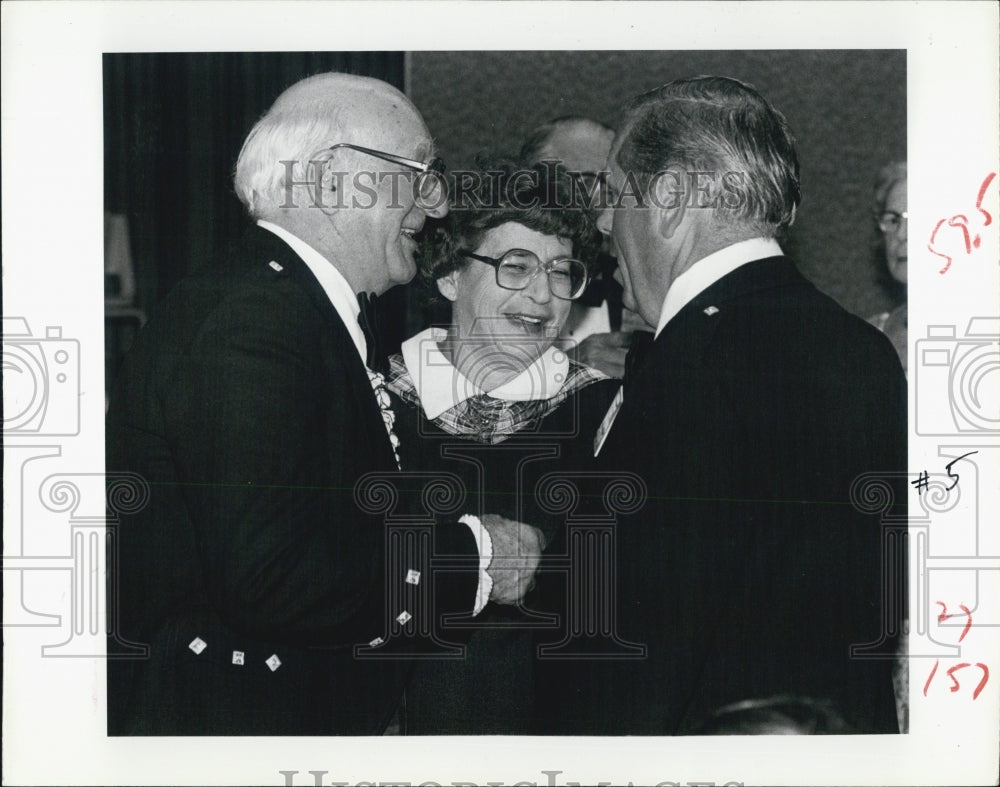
(747, 573)
(246, 407)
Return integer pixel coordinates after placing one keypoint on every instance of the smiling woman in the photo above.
(489, 396)
(510, 261)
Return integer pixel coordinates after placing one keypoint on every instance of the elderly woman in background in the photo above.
(490, 399)
(891, 216)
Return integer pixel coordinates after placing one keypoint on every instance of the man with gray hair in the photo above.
(757, 414)
(266, 590)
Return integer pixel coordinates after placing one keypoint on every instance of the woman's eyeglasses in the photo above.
(518, 267)
(890, 222)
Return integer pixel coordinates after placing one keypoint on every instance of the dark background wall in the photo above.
(847, 110)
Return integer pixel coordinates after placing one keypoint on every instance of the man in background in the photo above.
(252, 406)
(747, 574)
(598, 329)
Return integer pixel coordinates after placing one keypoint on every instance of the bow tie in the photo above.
(370, 321)
(638, 350)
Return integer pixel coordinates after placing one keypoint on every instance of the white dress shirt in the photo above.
(708, 270)
(441, 386)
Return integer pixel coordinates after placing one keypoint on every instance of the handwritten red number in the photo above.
(954, 680)
(943, 615)
(930, 678)
(961, 222)
(987, 218)
(982, 683)
(932, 250)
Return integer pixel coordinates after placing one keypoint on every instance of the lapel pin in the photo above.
(711, 310)
(275, 265)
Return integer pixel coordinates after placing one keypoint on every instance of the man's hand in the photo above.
(517, 548)
(604, 352)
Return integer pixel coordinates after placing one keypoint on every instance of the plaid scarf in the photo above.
(484, 418)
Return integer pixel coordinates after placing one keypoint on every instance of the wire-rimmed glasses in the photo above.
(428, 187)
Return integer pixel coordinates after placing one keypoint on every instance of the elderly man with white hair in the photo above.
(252, 406)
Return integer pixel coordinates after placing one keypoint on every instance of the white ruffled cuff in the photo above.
(485, 546)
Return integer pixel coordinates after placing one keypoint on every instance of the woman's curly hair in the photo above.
(543, 198)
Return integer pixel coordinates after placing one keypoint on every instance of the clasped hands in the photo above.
(517, 550)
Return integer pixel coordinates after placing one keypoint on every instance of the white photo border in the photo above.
(52, 127)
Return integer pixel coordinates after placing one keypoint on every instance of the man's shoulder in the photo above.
(766, 319)
(259, 272)
(787, 306)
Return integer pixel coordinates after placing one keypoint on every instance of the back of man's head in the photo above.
(309, 116)
(723, 133)
(579, 143)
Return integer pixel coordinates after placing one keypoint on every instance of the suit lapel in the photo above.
(271, 250)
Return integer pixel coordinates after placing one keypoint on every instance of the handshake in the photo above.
(517, 550)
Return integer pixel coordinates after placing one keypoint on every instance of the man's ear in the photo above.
(669, 203)
(323, 181)
(448, 285)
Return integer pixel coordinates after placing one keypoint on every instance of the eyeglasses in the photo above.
(890, 221)
(518, 267)
(428, 188)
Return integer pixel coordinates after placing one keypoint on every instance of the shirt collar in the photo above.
(341, 296)
(708, 270)
(441, 386)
